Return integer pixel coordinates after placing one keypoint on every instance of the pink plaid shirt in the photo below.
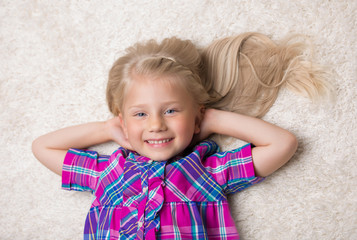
(183, 198)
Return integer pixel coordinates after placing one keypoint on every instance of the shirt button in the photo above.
(145, 189)
(140, 224)
(150, 161)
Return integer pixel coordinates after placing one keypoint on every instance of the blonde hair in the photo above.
(172, 57)
(242, 73)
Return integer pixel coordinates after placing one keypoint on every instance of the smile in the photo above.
(159, 141)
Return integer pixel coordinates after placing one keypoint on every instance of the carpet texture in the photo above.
(55, 57)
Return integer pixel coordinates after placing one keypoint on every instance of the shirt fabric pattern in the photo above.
(137, 198)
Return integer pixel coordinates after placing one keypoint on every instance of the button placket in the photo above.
(144, 186)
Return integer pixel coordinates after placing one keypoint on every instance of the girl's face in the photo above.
(159, 118)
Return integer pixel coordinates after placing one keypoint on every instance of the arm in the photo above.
(50, 149)
(274, 145)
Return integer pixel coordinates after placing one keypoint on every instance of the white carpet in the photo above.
(54, 60)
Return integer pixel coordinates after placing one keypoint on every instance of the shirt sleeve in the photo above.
(233, 170)
(81, 169)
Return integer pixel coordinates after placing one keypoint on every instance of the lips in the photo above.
(159, 141)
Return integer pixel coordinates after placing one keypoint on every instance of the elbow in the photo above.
(35, 147)
(276, 155)
(50, 158)
(288, 147)
(292, 143)
(38, 147)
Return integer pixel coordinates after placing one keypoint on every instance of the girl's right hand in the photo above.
(117, 134)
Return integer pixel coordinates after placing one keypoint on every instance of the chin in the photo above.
(160, 156)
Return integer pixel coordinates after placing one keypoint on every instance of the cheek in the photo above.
(185, 126)
(132, 130)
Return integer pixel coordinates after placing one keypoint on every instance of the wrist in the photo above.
(109, 127)
(211, 118)
(223, 122)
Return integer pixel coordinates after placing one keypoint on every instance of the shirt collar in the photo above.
(205, 148)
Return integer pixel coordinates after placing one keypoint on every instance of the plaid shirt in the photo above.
(137, 198)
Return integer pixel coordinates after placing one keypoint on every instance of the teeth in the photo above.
(158, 142)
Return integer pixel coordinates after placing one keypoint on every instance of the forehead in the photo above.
(149, 90)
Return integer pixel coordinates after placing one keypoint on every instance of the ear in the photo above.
(123, 125)
(199, 118)
(197, 128)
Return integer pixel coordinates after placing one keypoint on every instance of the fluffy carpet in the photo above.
(55, 57)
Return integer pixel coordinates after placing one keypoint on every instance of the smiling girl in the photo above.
(166, 181)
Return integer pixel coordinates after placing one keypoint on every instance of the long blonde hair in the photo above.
(242, 73)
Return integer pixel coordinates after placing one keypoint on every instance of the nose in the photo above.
(157, 123)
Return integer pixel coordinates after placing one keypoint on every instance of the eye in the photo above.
(170, 111)
(140, 114)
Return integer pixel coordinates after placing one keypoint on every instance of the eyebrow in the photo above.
(144, 105)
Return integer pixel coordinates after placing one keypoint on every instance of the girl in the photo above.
(166, 181)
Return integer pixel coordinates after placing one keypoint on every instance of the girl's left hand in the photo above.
(205, 125)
